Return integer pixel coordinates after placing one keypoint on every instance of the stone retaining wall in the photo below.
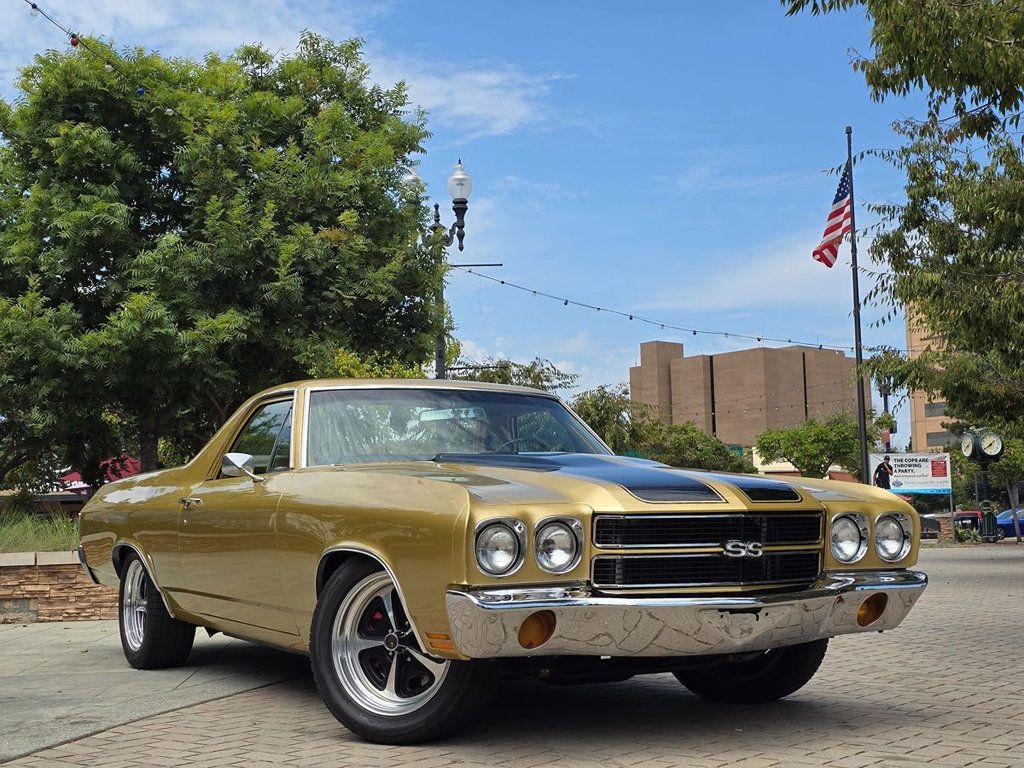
(50, 586)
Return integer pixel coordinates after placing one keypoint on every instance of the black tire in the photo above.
(757, 678)
(158, 640)
(459, 695)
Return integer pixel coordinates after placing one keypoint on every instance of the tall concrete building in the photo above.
(926, 415)
(737, 395)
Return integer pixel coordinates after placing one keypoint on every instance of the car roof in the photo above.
(478, 386)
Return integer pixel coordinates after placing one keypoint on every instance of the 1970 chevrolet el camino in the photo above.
(422, 540)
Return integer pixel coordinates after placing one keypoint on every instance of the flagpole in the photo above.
(862, 426)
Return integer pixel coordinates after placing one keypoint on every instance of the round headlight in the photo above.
(848, 539)
(497, 549)
(557, 546)
(892, 541)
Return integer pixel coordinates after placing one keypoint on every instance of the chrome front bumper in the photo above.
(485, 623)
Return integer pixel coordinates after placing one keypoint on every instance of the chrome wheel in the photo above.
(376, 657)
(133, 605)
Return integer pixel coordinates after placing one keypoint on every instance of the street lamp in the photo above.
(459, 187)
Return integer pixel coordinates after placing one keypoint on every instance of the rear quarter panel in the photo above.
(140, 511)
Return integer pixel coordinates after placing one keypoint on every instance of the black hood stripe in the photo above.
(647, 480)
(760, 488)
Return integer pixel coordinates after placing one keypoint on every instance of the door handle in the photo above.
(188, 501)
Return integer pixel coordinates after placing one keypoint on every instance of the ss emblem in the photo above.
(734, 548)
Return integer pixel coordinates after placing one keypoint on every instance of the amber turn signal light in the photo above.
(871, 609)
(536, 629)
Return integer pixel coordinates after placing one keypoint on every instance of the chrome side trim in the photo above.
(371, 554)
(485, 622)
(85, 565)
(145, 565)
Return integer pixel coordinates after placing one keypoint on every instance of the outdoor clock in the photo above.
(991, 445)
(967, 444)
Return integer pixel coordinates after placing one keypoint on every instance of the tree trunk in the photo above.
(1014, 491)
(149, 438)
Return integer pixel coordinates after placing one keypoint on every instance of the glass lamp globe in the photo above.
(459, 183)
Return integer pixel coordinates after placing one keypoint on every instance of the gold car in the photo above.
(421, 540)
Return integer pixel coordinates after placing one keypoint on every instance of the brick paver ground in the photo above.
(946, 689)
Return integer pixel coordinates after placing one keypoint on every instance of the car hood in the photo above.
(616, 482)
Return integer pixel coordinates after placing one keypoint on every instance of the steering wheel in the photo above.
(517, 440)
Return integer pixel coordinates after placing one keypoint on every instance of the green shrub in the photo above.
(25, 532)
(968, 535)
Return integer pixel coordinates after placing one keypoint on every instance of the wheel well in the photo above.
(332, 561)
(118, 555)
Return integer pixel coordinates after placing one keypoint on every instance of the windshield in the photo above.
(348, 426)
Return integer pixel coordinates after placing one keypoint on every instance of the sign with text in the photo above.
(913, 472)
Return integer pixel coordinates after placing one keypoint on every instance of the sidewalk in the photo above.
(61, 681)
(943, 690)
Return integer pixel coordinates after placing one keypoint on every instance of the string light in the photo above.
(109, 65)
(663, 325)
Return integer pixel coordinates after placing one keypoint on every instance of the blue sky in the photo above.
(664, 158)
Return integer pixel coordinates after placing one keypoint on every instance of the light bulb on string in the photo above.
(168, 111)
(75, 41)
(108, 68)
(35, 10)
(140, 91)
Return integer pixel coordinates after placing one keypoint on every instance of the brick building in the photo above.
(927, 432)
(737, 395)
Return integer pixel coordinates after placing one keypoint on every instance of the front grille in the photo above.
(657, 571)
(706, 530)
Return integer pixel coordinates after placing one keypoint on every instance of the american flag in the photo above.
(838, 223)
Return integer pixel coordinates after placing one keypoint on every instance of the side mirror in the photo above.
(239, 464)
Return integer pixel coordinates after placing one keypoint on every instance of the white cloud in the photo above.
(475, 99)
(776, 274)
(709, 169)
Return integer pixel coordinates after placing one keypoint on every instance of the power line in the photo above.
(663, 325)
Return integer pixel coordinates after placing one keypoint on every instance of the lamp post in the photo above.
(459, 187)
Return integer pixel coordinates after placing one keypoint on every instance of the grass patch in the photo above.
(24, 532)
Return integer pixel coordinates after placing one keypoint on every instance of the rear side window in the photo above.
(267, 437)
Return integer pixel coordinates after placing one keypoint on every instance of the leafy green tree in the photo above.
(814, 446)
(685, 445)
(630, 428)
(180, 246)
(952, 255)
(538, 373)
(1009, 473)
(965, 53)
(625, 425)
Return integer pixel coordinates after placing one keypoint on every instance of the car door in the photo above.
(227, 538)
